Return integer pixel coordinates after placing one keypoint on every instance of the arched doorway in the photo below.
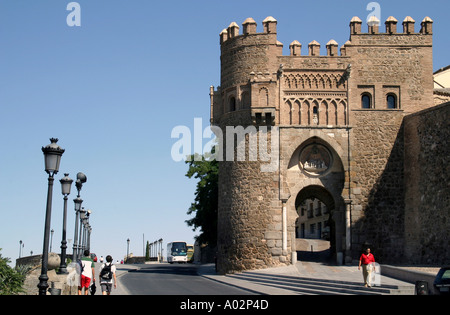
(316, 176)
(315, 226)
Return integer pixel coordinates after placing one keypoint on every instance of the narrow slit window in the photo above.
(232, 104)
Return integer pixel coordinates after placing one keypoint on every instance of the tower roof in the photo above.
(373, 20)
(249, 21)
(269, 19)
(332, 42)
(356, 19)
(391, 19)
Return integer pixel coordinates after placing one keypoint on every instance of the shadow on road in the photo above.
(173, 270)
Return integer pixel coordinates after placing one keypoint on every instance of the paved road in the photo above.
(166, 279)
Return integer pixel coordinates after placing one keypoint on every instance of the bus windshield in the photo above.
(179, 249)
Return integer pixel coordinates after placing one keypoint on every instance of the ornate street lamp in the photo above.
(52, 155)
(88, 230)
(89, 238)
(66, 185)
(81, 179)
(78, 201)
(80, 239)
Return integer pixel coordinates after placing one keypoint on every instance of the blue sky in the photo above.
(113, 89)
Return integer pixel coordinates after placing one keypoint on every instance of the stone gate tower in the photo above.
(332, 126)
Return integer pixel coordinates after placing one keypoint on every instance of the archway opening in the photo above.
(314, 227)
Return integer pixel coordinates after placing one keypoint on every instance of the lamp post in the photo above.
(81, 179)
(160, 250)
(52, 155)
(87, 232)
(89, 238)
(78, 201)
(81, 239)
(66, 184)
(128, 248)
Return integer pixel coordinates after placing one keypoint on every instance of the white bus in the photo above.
(177, 252)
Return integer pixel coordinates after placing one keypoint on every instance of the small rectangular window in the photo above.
(258, 118)
(268, 119)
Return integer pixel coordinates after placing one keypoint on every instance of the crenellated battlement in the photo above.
(391, 26)
(249, 27)
(367, 69)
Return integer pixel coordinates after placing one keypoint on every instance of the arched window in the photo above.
(391, 100)
(232, 104)
(316, 115)
(366, 100)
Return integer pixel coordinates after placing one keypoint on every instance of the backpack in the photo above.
(80, 265)
(106, 273)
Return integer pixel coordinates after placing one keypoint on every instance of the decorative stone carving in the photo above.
(315, 159)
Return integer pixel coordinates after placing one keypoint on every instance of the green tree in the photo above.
(147, 252)
(204, 208)
(11, 281)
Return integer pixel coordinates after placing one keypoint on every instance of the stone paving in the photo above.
(309, 278)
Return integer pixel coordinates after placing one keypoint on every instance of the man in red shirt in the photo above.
(368, 263)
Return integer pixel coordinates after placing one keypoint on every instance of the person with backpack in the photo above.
(107, 273)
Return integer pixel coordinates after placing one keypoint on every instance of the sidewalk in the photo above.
(308, 278)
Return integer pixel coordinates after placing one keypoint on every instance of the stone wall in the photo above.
(248, 219)
(427, 189)
(54, 261)
(245, 54)
(135, 260)
(400, 64)
(377, 215)
(244, 217)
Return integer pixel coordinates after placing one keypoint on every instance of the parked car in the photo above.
(442, 281)
(94, 257)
